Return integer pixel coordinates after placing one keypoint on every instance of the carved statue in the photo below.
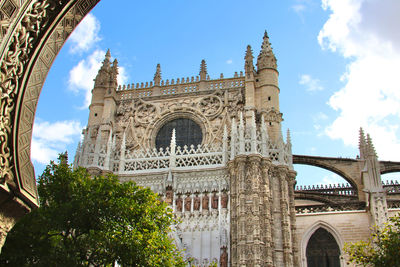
(179, 203)
(214, 203)
(224, 200)
(188, 202)
(168, 197)
(223, 258)
(196, 203)
(205, 202)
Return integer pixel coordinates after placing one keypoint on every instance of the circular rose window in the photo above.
(187, 132)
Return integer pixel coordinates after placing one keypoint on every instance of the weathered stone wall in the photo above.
(345, 226)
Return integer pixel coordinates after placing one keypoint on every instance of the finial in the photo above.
(108, 55)
(266, 58)
(157, 75)
(173, 140)
(203, 70)
(123, 143)
(106, 61)
(288, 139)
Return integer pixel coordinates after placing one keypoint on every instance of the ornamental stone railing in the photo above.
(343, 189)
(391, 187)
(245, 140)
(182, 86)
(355, 206)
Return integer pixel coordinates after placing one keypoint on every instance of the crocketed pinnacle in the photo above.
(266, 59)
(203, 70)
(108, 55)
(157, 75)
(106, 61)
(248, 62)
(371, 148)
(362, 143)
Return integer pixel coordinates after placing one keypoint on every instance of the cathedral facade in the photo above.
(213, 150)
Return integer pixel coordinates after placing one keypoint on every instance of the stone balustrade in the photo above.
(180, 86)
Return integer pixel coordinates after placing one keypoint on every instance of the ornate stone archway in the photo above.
(32, 33)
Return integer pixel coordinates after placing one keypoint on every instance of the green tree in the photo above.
(381, 250)
(91, 221)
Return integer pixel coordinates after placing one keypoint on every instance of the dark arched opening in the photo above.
(322, 250)
(187, 133)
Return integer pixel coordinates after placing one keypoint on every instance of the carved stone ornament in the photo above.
(145, 113)
(13, 64)
(273, 115)
(25, 45)
(210, 105)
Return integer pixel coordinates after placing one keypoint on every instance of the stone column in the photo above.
(267, 215)
(292, 183)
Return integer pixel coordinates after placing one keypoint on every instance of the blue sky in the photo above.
(338, 63)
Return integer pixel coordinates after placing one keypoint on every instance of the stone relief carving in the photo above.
(210, 105)
(145, 112)
(141, 116)
(13, 64)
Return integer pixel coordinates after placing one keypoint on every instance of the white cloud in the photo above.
(229, 61)
(86, 35)
(50, 139)
(310, 83)
(82, 75)
(366, 33)
(298, 8)
(122, 76)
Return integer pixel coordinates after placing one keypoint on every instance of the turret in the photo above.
(262, 89)
(103, 93)
(267, 77)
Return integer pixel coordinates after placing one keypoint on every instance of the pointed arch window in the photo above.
(322, 250)
(187, 133)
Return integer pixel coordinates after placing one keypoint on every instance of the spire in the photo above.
(203, 70)
(103, 76)
(288, 139)
(266, 59)
(248, 59)
(362, 144)
(108, 54)
(173, 139)
(107, 58)
(370, 147)
(157, 75)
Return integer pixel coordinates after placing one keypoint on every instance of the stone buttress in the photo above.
(261, 179)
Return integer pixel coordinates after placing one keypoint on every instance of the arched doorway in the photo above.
(322, 250)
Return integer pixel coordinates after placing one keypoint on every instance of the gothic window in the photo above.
(322, 250)
(187, 132)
